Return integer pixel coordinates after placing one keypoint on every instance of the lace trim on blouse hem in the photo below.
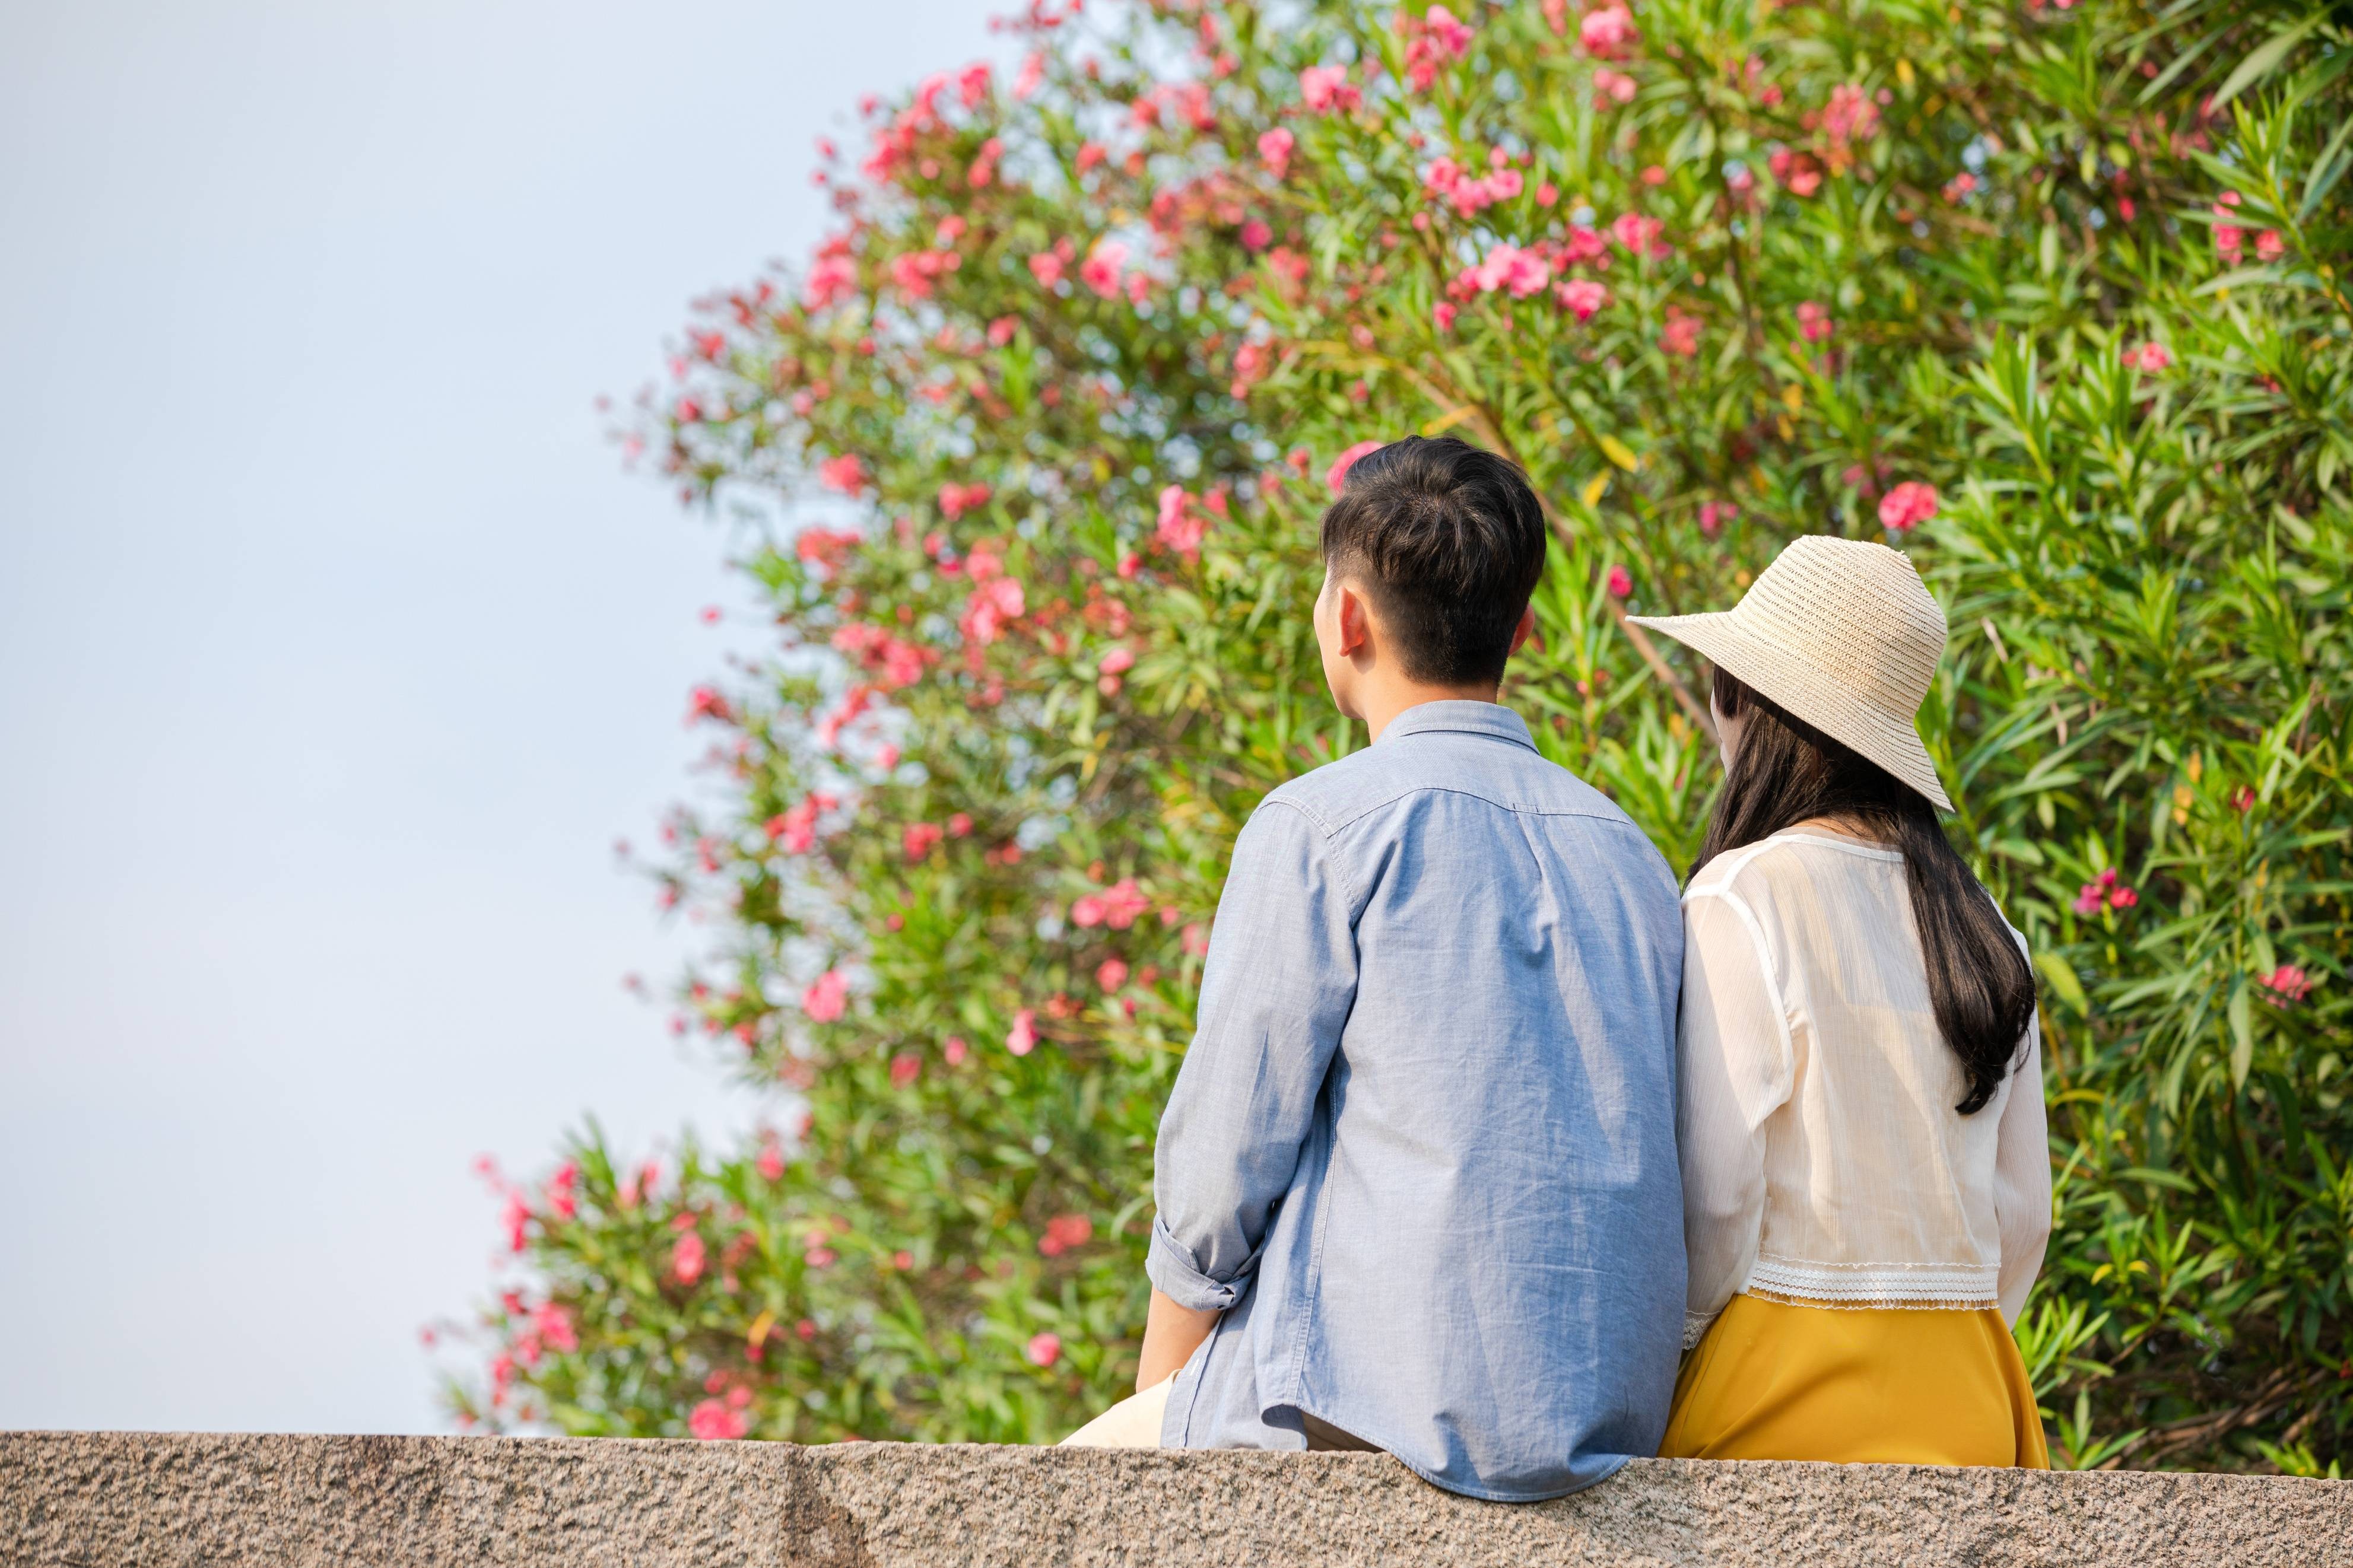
(1875, 1303)
(1946, 1286)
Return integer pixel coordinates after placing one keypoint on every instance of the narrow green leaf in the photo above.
(2266, 55)
(2063, 979)
(2327, 170)
(2243, 1032)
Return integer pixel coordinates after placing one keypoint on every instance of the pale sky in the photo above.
(336, 648)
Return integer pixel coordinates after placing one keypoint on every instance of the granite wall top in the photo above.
(131, 1499)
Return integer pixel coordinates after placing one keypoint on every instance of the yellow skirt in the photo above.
(1869, 1385)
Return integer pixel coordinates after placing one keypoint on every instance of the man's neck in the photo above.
(1379, 708)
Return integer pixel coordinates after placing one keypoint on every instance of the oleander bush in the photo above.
(2051, 295)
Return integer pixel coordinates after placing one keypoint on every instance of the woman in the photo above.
(1866, 1180)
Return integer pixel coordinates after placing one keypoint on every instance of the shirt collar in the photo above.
(1489, 719)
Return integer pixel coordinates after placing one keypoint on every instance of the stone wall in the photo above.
(134, 1500)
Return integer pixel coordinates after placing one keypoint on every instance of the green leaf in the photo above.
(2243, 1032)
(2265, 55)
(2063, 979)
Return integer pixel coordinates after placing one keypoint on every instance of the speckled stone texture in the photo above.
(133, 1499)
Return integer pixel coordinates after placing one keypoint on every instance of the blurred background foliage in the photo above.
(2050, 296)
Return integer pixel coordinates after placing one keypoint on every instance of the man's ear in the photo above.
(1525, 629)
(1355, 617)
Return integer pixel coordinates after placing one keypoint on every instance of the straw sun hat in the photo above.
(1842, 634)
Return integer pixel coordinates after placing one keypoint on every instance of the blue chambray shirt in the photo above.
(1422, 1150)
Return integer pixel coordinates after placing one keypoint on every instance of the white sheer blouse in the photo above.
(1823, 1162)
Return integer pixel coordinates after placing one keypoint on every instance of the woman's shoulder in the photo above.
(1797, 869)
(1794, 855)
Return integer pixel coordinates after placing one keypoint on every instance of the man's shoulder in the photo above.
(1516, 778)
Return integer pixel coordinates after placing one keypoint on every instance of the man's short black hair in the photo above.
(1449, 542)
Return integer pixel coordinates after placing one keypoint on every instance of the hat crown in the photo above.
(1856, 611)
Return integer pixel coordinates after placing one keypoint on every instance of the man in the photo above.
(1416, 1180)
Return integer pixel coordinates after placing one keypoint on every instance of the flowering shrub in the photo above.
(2046, 294)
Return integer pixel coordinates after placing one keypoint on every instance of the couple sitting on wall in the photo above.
(1482, 1134)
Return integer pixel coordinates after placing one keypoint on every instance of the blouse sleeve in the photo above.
(1736, 1065)
(2022, 1180)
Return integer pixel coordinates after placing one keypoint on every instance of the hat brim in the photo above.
(1806, 691)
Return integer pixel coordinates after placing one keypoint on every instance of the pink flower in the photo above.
(1065, 1231)
(1680, 336)
(1180, 526)
(2105, 892)
(1797, 172)
(1611, 85)
(1715, 515)
(1117, 906)
(1101, 270)
(958, 499)
(1849, 116)
(993, 605)
(1638, 234)
(1256, 236)
(833, 277)
(1813, 322)
(846, 473)
(1442, 314)
(1582, 297)
(1445, 32)
(1337, 474)
(1046, 268)
(1044, 1349)
(2149, 358)
(1621, 582)
(956, 1050)
(562, 1189)
(1023, 1037)
(555, 1326)
(516, 1216)
(771, 1162)
(2226, 240)
(1608, 33)
(686, 1258)
(1033, 72)
(1111, 974)
(905, 1068)
(826, 997)
(916, 271)
(919, 838)
(1118, 661)
(713, 1422)
(797, 828)
(1507, 267)
(1328, 88)
(1959, 187)
(705, 702)
(1907, 506)
(2287, 984)
(1275, 148)
(2270, 246)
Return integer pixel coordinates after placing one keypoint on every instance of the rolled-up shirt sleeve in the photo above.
(2022, 1179)
(1737, 1069)
(1275, 994)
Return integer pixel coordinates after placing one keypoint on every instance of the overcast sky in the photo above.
(336, 649)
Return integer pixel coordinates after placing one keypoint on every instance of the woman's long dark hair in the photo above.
(1787, 772)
